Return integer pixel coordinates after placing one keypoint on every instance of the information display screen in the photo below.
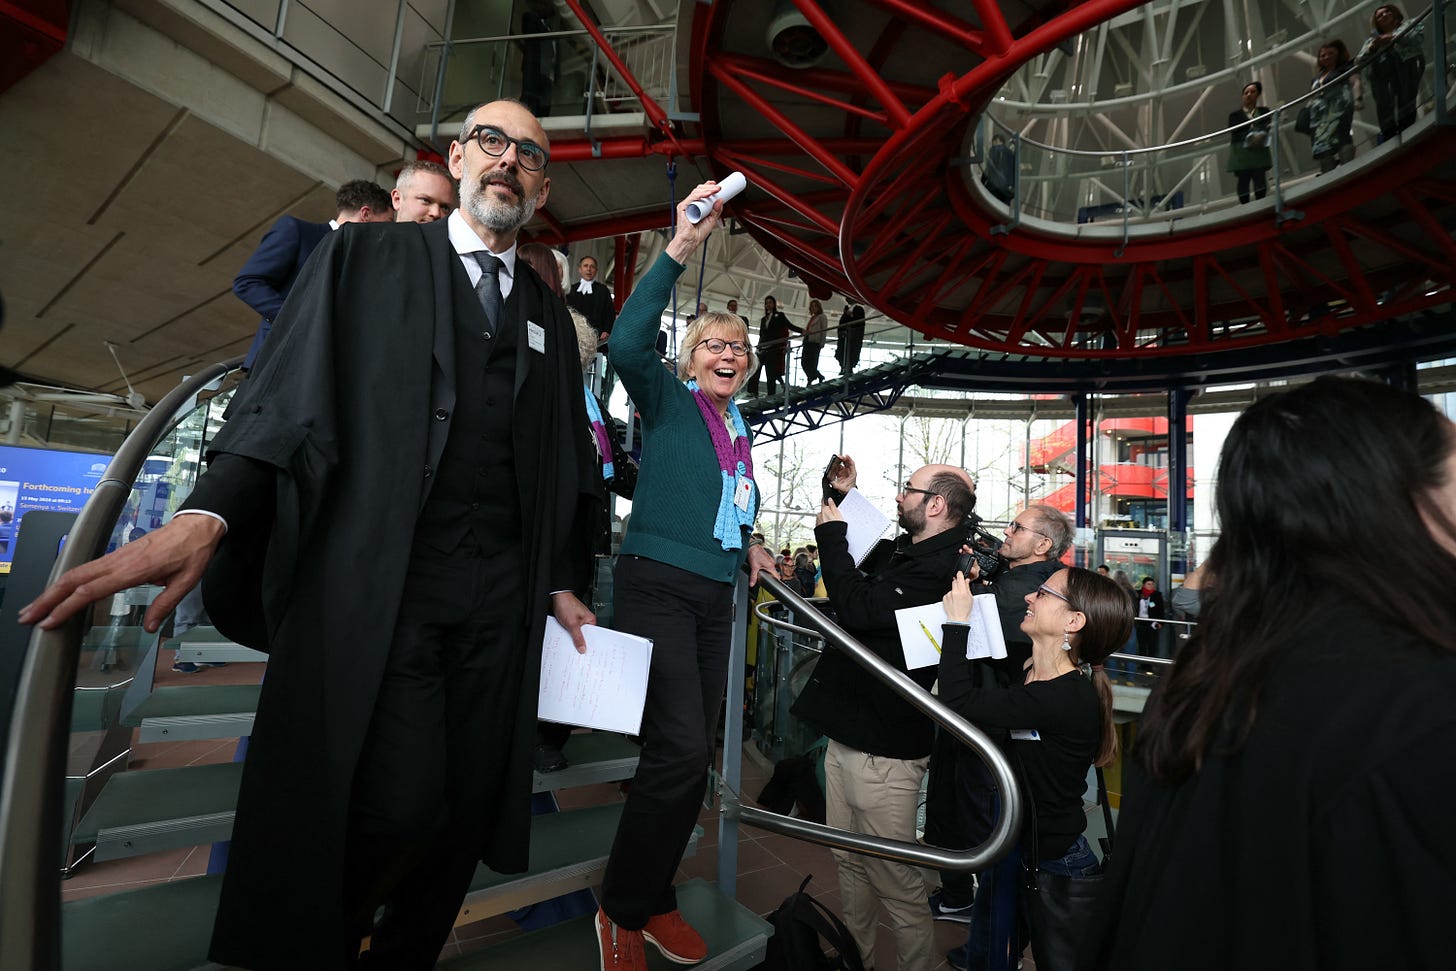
(39, 478)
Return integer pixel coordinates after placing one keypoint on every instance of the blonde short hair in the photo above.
(586, 337)
(719, 320)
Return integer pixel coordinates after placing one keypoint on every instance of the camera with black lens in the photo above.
(985, 551)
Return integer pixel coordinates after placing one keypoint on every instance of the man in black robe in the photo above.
(391, 511)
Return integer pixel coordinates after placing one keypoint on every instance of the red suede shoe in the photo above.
(675, 938)
(621, 949)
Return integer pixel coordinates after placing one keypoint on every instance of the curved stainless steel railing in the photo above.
(1008, 826)
(30, 792)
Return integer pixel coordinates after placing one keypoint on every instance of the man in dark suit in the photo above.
(264, 281)
(591, 298)
(423, 192)
(392, 511)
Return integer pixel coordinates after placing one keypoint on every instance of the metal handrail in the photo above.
(761, 613)
(1013, 807)
(35, 756)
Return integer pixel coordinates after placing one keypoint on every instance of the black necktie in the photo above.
(487, 288)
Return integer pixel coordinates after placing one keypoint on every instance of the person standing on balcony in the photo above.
(1332, 112)
(1249, 155)
(816, 334)
(1394, 57)
(773, 345)
(850, 336)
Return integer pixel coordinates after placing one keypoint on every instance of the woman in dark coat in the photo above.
(1249, 156)
(1289, 803)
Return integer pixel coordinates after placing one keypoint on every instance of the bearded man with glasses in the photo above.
(961, 804)
(879, 744)
(392, 511)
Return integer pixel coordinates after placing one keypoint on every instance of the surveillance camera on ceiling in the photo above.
(793, 40)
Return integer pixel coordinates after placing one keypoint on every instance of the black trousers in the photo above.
(436, 753)
(1395, 85)
(1251, 177)
(960, 808)
(690, 621)
(811, 361)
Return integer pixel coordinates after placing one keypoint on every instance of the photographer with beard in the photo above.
(879, 744)
(961, 803)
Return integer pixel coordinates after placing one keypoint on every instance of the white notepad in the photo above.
(604, 688)
(866, 524)
(921, 632)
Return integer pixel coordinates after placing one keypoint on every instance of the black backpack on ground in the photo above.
(802, 926)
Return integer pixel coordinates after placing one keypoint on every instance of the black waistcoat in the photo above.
(475, 489)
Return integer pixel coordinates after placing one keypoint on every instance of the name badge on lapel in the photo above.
(1026, 734)
(536, 336)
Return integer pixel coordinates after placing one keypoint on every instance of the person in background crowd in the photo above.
(692, 514)
(1332, 113)
(1307, 728)
(423, 192)
(1394, 57)
(592, 298)
(1150, 610)
(1060, 719)
(264, 281)
(1249, 155)
(849, 336)
(816, 333)
(1186, 601)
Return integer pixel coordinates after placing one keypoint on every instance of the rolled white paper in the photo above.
(727, 189)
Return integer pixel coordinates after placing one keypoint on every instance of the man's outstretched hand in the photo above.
(172, 557)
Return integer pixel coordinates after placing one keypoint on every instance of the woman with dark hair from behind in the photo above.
(1296, 810)
(1060, 720)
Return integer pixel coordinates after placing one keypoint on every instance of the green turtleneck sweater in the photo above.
(680, 484)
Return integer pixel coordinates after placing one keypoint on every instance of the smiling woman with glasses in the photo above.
(692, 511)
(1060, 724)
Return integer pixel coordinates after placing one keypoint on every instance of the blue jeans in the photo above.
(1078, 861)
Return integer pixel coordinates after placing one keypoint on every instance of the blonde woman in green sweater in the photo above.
(687, 539)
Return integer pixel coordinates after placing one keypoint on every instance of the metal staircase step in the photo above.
(175, 714)
(164, 927)
(207, 645)
(737, 939)
(161, 809)
(568, 852)
(592, 757)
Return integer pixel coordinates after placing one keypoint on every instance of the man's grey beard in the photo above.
(498, 217)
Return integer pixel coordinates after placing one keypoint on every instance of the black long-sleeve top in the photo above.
(1055, 729)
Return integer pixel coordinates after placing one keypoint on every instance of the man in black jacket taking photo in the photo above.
(879, 745)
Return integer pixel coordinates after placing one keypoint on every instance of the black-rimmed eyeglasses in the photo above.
(494, 142)
(716, 346)
(1016, 527)
(907, 488)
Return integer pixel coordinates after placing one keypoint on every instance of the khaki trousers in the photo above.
(879, 796)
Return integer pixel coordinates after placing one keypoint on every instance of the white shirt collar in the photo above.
(333, 224)
(463, 238)
(584, 286)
